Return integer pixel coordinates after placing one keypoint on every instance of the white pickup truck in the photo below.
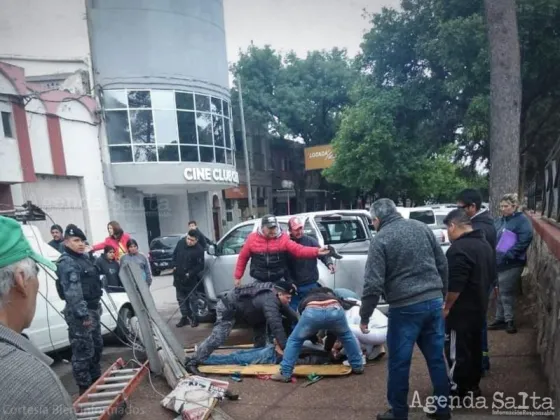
(347, 230)
(48, 331)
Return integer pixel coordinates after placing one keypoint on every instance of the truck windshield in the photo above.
(341, 230)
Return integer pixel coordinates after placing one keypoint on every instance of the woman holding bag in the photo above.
(515, 234)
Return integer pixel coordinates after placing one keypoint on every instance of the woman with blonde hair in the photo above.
(515, 234)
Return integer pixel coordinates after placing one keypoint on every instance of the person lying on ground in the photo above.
(372, 342)
(271, 354)
(320, 310)
(268, 249)
(260, 304)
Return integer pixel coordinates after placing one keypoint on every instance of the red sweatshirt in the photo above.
(269, 256)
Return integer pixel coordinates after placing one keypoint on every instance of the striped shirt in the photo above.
(29, 388)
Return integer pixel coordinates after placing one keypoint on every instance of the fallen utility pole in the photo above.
(166, 355)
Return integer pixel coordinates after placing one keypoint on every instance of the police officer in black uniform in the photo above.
(80, 286)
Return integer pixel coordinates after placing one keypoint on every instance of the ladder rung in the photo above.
(103, 394)
(111, 386)
(103, 403)
(121, 378)
(119, 371)
(89, 413)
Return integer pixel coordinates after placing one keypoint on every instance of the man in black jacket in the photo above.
(470, 200)
(260, 305)
(188, 263)
(472, 268)
(202, 239)
(304, 272)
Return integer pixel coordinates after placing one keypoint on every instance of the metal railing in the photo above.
(543, 193)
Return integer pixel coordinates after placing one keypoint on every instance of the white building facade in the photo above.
(156, 83)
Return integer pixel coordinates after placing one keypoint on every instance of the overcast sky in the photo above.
(299, 25)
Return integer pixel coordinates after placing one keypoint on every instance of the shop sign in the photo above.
(318, 157)
(217, 175)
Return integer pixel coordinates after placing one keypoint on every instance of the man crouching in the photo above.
(260, 304)
(320, 310)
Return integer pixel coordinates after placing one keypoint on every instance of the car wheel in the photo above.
(202, 308)
(156, 273)
(124, 330)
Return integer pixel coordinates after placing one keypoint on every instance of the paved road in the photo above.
(515, 368)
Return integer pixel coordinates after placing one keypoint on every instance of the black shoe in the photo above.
(194, 323)
(510, 328)
(497, 325)
(388, 415)
(334, 253)
(191, 367)
(184, 321)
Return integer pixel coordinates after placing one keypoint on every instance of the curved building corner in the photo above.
(162, 78)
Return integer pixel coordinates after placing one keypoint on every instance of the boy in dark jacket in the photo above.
(304, 272)
(472, 270)
(260, 305)
(470, 200)
(188, 265)
(109, 267)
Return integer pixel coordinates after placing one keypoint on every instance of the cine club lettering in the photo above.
(209, 175)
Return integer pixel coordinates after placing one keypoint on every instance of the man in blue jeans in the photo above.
(320, 310)
(407, 265)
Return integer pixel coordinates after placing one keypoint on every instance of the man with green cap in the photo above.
(80, 286)
(29, 388)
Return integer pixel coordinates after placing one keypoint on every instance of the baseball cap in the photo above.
(295, 223)
(15, 247)
(269, 221)
(284, 286)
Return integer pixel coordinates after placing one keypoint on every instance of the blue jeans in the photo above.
(302, 292)
(260, 356)
(311, 321)
(421, 323)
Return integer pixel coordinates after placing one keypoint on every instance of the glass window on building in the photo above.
(167, 126)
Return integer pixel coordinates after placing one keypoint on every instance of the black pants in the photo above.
(186, 302)
(463, 351)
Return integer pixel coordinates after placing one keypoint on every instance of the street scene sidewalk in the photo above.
(515, 369)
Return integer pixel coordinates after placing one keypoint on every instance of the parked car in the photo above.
(347, 230)
(49, 331)
(161, 252)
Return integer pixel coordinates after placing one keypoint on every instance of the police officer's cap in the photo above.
(73, 231)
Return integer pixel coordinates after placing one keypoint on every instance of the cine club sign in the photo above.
(217, 175)
(318, 157)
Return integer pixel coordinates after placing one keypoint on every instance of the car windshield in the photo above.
(340, 231)
(425, 216)
(165, 242)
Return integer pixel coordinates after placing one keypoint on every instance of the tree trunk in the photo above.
(505, 99)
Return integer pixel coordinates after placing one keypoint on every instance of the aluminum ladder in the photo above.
(107, 398)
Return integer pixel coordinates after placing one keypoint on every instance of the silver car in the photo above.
(349, 231)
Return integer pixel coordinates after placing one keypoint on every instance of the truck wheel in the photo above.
(124, 330)
(202, 308)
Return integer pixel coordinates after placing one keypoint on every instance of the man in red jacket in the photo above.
(267, 249)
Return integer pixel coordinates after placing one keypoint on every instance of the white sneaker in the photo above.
(347, 363)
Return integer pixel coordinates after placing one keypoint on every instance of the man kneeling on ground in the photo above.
(260, 304)
(320, 310)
